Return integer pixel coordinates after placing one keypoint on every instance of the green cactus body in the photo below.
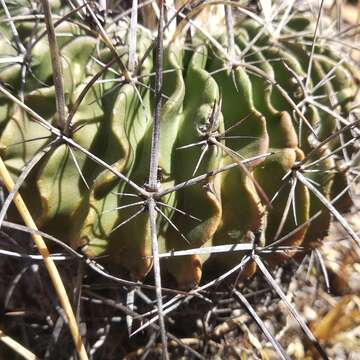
(232, 112)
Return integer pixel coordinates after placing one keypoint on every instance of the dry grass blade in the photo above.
(17, 347)
(10, 291)
(279, 349)
(49, 264)
(290, 307)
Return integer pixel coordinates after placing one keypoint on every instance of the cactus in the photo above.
(213, 115)
(257, 136)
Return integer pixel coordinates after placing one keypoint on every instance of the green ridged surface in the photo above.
(116, 126)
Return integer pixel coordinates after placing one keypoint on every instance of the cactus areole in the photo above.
(253, 139)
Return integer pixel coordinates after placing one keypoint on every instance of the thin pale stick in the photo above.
(286, 210)
(178, 210)
(92, 264)
(229, 21)
(48, 262)
(198, 179)
(290, 307)
(156, 317)
(235, 156)
(153, 172)
(333, 152)
(329, 206)
(78, 168)
(121, 307)
(57, 68)
(108, 42)
(172, 225)
(130, 302)
(309, 69)
(315, 216)
(18, 42)
(203, 152)
(128, 219)
(240, 267)
(123, 207)
(157, 275)
(17, 347)
(323, 269)
(20, 180)
(54, 257)
(276, 345)
(132, 35)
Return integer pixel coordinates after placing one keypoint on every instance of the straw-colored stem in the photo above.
(17, 347)
(49, 263)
